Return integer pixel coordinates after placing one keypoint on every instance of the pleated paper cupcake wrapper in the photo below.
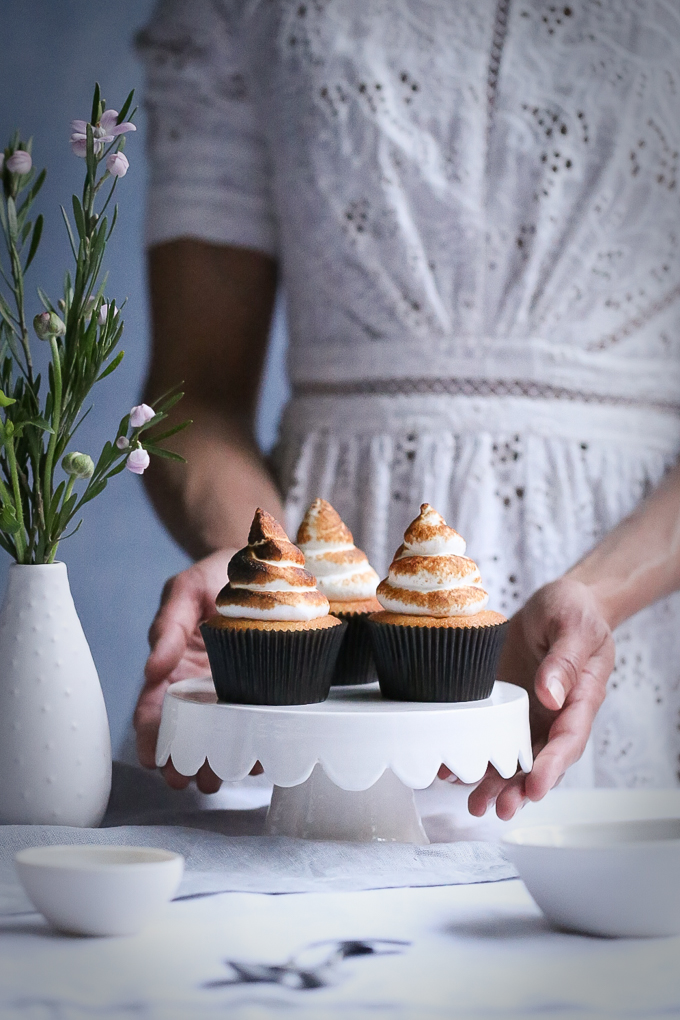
(355, 663)
(272, 667)
(436, 663)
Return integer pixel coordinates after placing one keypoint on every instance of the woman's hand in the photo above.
(177, 652)
(560, 649)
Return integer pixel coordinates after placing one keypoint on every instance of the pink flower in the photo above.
(104, 132)
(117, 164)
(140, 415)
(20, 162)
(138, 461)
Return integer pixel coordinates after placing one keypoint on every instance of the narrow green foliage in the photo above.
(37, 425)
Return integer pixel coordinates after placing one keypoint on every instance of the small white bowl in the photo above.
(99, 890)
(609, 878)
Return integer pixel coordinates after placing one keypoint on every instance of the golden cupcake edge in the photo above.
(485, 618)
(238, 623)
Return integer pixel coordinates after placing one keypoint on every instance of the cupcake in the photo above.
(272, 641)
(434, 639)
(344, 575)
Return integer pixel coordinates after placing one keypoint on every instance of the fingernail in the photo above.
(556, 689)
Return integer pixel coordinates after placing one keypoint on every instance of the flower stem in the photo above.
(14, 474)
(56, 418)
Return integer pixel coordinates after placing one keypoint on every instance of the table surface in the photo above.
(467, 951)
(460, 951)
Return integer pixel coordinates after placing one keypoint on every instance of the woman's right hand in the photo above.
(178, 652)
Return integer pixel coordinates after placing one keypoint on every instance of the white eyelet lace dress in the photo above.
(476, 210)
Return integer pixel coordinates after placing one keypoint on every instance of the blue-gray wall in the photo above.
(50, 56)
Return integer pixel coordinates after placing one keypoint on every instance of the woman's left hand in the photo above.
(561, 650)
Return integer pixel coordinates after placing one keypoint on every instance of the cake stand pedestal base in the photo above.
(318, 809)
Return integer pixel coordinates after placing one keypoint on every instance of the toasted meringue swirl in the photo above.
(268, 580)
(341, 570)
(429, 575)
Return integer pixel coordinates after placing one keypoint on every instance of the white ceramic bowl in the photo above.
(609, 878)
(99, 890)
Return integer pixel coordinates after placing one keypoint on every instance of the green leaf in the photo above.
(35, 188)
(112, 367)
(118, 468)
(171, 432)
(25, 231)
(79, 216)
(6, 401)
(13, 345)
(72, 533)
(40, 423)
(96, 99)
(12, 219)
(6, 313)
(45, 301)
(70, 232)
(113, 221)
(125, 107)
(156, 420)
(157, 451)
(35, 241)
(124, 426)
(53, 505)
(90, 160)
(93, 490)
(159, 401)
(169, 403)
(8, 519)
(105, 457)
(66, 511)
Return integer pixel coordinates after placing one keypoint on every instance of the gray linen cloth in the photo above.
(225, 852)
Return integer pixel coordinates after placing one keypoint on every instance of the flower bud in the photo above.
(20, 162)
(78, 465)
(138, 461)
(122, 442)
(48, 324)
(117, 164)
(103, 312)
(140, 415)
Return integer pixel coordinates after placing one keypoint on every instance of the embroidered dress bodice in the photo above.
(476, 211)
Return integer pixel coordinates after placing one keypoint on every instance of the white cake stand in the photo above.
(346, 768)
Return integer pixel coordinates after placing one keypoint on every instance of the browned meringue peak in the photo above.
(267, 578)
(429, 576)
(429, 534)
(342, 571)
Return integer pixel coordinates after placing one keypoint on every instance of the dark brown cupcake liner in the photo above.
(272, 667)
(355, 663)
(436, 663)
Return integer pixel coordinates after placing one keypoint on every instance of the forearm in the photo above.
(208, 503)
(211, 307)
(639, 561)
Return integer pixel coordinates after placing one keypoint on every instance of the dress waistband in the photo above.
(481, 366)
(352, 411)
(473, 388)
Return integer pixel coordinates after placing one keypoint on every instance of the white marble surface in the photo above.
(474, 952)
(481, 951)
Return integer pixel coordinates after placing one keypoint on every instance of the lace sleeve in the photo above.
(209, 168)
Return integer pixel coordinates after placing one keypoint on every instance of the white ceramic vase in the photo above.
(55, 748)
